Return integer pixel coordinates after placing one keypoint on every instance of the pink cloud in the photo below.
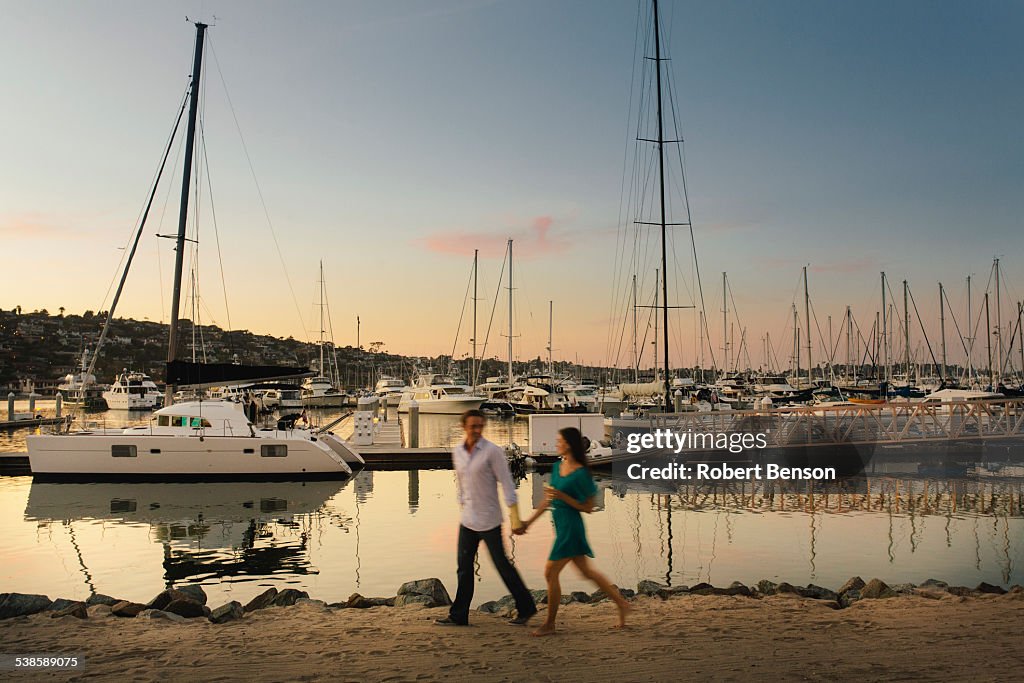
(537, 238)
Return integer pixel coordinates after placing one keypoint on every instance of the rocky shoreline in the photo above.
(188, 603)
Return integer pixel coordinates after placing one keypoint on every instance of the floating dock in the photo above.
(33, 422)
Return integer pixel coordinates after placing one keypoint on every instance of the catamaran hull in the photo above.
(159, 457)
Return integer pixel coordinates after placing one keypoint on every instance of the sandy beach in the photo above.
(940, 637)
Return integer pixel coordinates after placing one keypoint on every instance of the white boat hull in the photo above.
(189, 456)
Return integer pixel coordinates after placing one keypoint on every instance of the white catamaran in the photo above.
(193, 439)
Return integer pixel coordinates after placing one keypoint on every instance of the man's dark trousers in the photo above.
(469, 541)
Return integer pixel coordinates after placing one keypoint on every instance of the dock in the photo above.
(33, 422)
(14, 465)
(387, 451)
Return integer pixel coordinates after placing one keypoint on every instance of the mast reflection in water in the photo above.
(384, 528)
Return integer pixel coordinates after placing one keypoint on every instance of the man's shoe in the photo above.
(522, 619)
(448, 621)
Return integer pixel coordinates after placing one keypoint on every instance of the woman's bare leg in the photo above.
(590, 572)
(551, 571)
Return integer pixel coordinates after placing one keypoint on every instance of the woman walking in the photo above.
(571, 492)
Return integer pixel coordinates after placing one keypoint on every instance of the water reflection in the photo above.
(332, 538)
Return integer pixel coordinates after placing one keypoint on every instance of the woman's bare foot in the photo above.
(545, 629)
(624, 610)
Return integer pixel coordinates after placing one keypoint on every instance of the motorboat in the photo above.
(133, 391)
(435, 393)
(390, 390)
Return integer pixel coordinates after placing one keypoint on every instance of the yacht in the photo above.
(194, 439)
(435, 393)
(390, 390)
(320, 392)
(133, 391)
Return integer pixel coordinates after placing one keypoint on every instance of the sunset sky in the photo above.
(391, 138)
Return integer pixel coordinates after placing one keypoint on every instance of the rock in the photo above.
(79, 610)
(168, 596)
(488, 607)
(99, 610)
(414, 599)
(22, 604)
(904, 588)
(433, 588)
(629, 593)
(930, 594)
(126, 609)
(818, 593)
(357, 601)
(101, 599)
(854, 583)
(60, 604)
(736, 588)
(876, 589)
(566, 600)
(849, 597)
(702, 588)
(505, 606)
(231, 611)
(989, 588)
(786, 588)
(1016, 589)
(194, 591)
(766, 587)
(934, 583)
(185, 608)
(962, 591)
(540, 596)
(161, 614)
(647, 587)
(288, 596)
(262, 601)
(576, 596)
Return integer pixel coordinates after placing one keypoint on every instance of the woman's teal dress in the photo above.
(570, 536)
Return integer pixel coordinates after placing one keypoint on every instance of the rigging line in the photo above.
(213, 216)
(259, 192)
(455, 344)
(135, 243)
(494, 306)
(921, 323)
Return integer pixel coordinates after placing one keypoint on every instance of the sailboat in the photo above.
(192, 439)
(320, 391)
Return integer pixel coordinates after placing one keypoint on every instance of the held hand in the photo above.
(519, 531)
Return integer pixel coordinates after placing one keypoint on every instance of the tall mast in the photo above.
(796, 346)
(970, 338)
(906, 333)
(885, 329)
(988, 341)
(322, 319)
(725, 322)
(636, 355)
(807, 317)
(473, 370)
(661, 183)
(179, 250)
(655, 325)
(551, 327)
(942, 331)
(999, 333)
(510, 313)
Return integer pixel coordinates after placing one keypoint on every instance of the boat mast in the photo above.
(999, 333)
(942, 331)
(807, 317)
(906, 333)
(179, 250)
(473, 370)
(970, 339)
(551, 327)
(661, 183)
(636, 356)
(988, 341)
(885, 343)
(321, 368)
(510, 380)
(725, 323)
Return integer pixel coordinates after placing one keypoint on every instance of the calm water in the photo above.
(371, 534)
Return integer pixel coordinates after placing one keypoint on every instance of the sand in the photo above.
(781, 637)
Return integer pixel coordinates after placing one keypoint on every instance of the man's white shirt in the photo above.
(478, 475)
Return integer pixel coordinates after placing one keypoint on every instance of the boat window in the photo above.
(163, 421)
(200, 422)
(274, 451)
(123, 451)
(178, 421)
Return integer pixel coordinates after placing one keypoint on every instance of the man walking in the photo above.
(479, 467)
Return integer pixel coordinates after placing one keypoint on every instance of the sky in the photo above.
(390, 139)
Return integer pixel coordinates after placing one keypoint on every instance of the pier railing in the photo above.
(890, 423)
